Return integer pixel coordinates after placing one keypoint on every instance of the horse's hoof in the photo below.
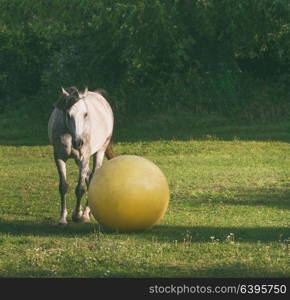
(76, 219)
(85, 219)
(77, 216)
(62, 223)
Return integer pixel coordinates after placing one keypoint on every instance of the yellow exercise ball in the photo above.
(128, 193)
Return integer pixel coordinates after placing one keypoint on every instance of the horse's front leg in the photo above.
(63, 187)
(78, 215)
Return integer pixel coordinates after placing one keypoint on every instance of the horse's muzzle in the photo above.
(77, 143)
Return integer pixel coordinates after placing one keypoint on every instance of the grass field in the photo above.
(228, 214)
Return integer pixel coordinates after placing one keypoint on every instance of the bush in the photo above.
(148, 54)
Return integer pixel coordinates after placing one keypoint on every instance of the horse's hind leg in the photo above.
(63, 187)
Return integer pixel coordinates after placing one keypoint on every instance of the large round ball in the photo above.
(128, 193)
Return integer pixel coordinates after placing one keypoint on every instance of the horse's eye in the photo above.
(86, 114)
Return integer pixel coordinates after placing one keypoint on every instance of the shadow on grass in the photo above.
(160, 233)
(24, 228)
(217, 234)
(29, 131)
(234, 270)
(272, 196)
(220, 132)
(230, 270)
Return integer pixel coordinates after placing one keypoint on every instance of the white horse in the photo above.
(80, 125)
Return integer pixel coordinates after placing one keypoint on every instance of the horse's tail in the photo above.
(109, 152)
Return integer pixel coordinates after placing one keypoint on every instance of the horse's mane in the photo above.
(66, 102)
(102, 92)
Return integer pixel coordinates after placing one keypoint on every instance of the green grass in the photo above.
(228, 214)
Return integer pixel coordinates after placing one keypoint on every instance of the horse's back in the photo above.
(101, 120)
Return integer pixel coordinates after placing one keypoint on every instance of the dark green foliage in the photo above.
(225, 56)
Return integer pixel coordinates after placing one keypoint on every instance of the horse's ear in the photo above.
(64, 92)
(85, 93)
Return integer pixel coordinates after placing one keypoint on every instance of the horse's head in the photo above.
(75, 113)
